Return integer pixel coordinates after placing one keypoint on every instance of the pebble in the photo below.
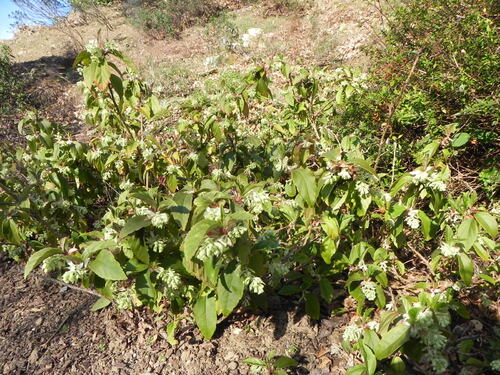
(232, 365)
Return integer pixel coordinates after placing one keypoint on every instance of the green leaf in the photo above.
(312, 306)
(467, 233)
(370, 360)
(134, 224)
(465, 268)
(305, 182)
(205, 315)
(101, 303)
(392, 341)
(460, 139)
(426, 225)
(171, 328)
(285, 362)
(38, 257)
(363, 164)
(195, 236)
(182, 211)
(106, 266)
(331, 227)
(230, 289)
(487, 222)
(398, 366)
(328, 249)
(357, 370)
(326, 289)
(255, 362)
(93, 247)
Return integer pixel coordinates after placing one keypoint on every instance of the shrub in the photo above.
(11, 83)
(169, 18)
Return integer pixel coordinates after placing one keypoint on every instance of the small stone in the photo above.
(33, 356)
(232, 365)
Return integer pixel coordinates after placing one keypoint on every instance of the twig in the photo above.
(392, 109)
(426, 262)
(68, 285)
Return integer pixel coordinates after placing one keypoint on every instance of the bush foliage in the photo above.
(283, 180)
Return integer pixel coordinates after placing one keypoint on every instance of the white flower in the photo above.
(109, 233)
(159, 246)
(420, 176)
(438, 185)
(144, 211)
(412, 220)
(213, 213)
(255, 285)
(256, 200)
(159, 220)
(495, 365)
(126, 185)
(373, 325)
(448, 250)
(439, 364)
(171, 278)
(344, 174)
(387, 197)
(383, 266)
(352, 333)
(362, 188)
(369, 290)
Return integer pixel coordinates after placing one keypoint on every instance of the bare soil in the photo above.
(48, 329)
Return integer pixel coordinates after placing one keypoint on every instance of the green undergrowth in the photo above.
(286, 179)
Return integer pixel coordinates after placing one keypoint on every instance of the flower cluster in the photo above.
(256, 200)
(369, 290)
(159, 220)
(171, 280)
(255, 284)
(449, 250)
(216, 247)
(75, 273)
(412, 220)
(427, 178)
(352, 333)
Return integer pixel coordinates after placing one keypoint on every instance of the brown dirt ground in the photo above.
(46, 329)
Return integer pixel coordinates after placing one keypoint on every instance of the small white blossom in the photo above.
(438, 185)
(495, 365)
(213, 213)
(362, 188)
(448, 250)
(352, 333)
(159, 220)
(373, 325)
(344, 174)
(420, 176)
(256, 285)
(369, 290)
(412, 220)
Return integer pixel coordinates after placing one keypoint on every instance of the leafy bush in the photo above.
(11, 83)
(251, 192)
(317, 179)
(169, 18)
(438, 77)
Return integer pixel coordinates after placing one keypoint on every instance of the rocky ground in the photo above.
(48, 329)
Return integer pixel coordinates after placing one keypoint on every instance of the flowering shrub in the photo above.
(251, 191)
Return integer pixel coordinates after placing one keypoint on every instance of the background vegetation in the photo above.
(288, 180)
